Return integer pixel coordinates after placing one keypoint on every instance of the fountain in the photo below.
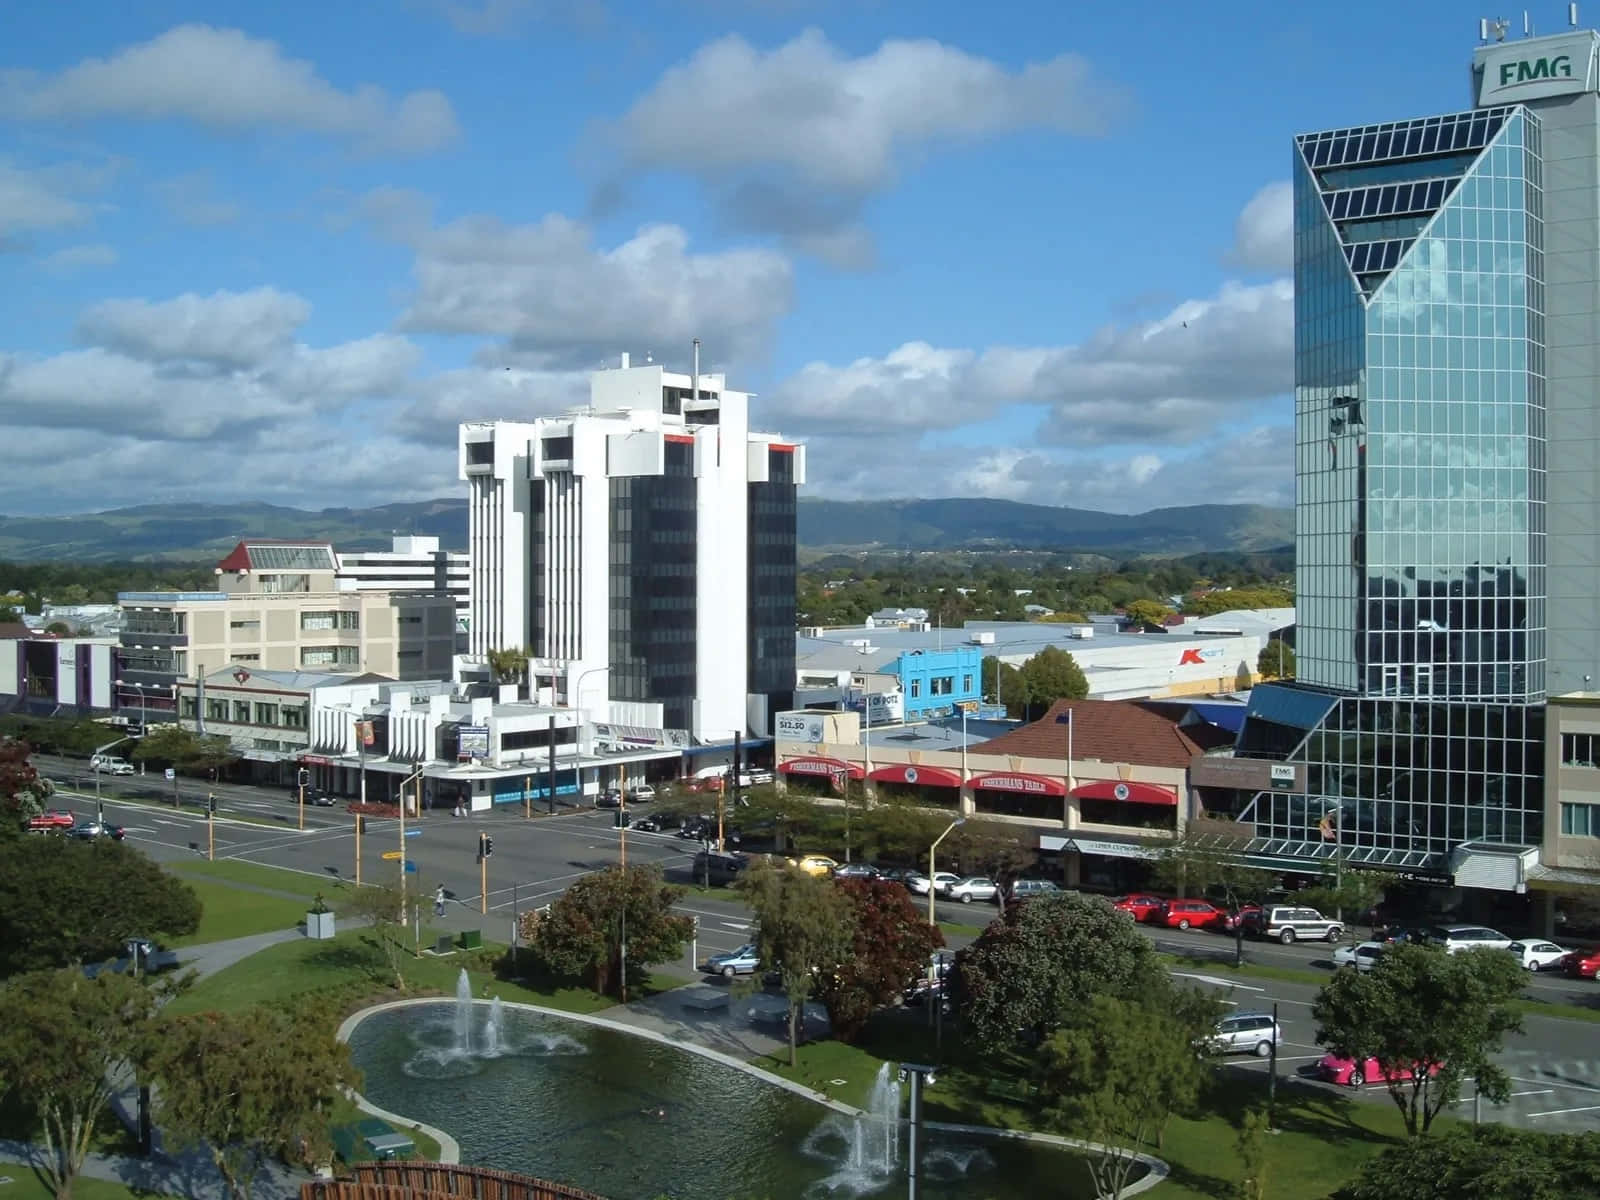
(869, 1142)
(491, 1029)
(463, 1046)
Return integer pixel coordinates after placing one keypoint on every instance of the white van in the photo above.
(110, 764)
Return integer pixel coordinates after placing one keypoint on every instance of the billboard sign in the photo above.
(881, 708)
(473, 741)
(1283, 777)
(805, 727)
(1511, 72)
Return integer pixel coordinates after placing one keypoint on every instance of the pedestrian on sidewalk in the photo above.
(438, 902)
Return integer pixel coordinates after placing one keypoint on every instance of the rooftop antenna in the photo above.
(1527, 24)
(1493, 28)
(1572, 15)
(694, 381)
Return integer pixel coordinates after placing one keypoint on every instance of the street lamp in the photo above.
(932, 919)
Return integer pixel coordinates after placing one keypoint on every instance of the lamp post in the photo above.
(577, 769)
(414, 777)
(932, 893)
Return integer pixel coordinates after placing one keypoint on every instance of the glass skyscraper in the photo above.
(1420, 423)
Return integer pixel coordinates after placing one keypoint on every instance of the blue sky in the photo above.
(1028, 250)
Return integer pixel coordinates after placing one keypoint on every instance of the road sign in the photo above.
(391, 856)
(171, 774)
(413, 833)
(411, 867)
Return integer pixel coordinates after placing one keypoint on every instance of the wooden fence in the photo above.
(437, 1181)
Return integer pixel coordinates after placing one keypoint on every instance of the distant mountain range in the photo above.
(197, 533)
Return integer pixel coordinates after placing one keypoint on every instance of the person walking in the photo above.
(438, 902)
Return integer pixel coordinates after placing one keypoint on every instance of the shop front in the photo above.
(1018, 794)
(1101, 864)
(915, 783)
(1128, 804)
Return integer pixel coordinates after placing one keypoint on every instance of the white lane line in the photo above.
(1560, 1083)
(740, 926)
(1561, 1112)
(1215, 982)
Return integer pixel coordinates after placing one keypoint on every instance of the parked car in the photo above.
(1456, 938)
(1189, 914)
(1346, 1073)
(646, 824)
(1027, 889)
(1363, 957)
(856, 870)
(695, 829)
(718, 869)
(743, 961)
(51, 820)
(1246, 1033)
(110, 764)
(89, 830)
(973, 887)
(917, 883)
(1140, 907)
(610, 798)
(895, 874)
(1242, 917)
(1536, 954)
(642, 794)
(816, 864)
(1289, 923)
(1583, 964)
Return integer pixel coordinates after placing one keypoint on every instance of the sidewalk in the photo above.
(719, 1017)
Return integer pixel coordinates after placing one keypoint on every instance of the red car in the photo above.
(1582, 964)
(1343, 1071)
(1139, 907)
(1190, 914)
(1244, 915)
(54, 819)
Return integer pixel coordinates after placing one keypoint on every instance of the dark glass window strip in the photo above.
(1378, 143)
(1389, 200)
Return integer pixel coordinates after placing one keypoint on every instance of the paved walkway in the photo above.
(746, 1025)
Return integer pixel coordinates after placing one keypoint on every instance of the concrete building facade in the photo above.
(412, 564)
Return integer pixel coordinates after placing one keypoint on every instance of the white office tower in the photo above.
(643, 551)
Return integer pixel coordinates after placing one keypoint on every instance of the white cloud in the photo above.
(33, 199)
(562, 302)
(793, 140)
(229, 328)
(486, 393)
(1263, 236)
(228, 81)
(192, 199)
(79, 258)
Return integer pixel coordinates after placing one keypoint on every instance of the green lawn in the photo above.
(1322, 1141)
(229, 870)
(956, 928)
(25, 1185)
(1223, 970)
(229, 912)
(345, 1112)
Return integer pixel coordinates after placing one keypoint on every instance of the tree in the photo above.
(1421, 1008)
(1051, 675)
(382, 907)
(987, 848)
(1242, 679)
(184, 750)
(1146, 612)
(1346, 892)
(1276, 660)
(1200, 862)
(59, 628)
(896, 828)
(1002, 684)
(247, 1084)
(10, 614)
(803, 930)
(1117, 1072)
(1485, 1162)
(23, 791)
(1029, 971)
(68, 901)
(582, 936)
(1255, 1127)
(64, 1043)
(509, 665)
(891, 946)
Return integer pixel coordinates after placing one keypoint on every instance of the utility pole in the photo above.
(721, 808)
(527, 797)
(622, 821)
(552, 796)
(211, 826)
(485, 848)
(359, 820)
(302, 778)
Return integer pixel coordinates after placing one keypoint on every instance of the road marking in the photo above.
(741, 926)
(1571, 1087)
(1561, 1112)
(1215, 982)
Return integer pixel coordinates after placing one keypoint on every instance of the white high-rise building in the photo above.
(643, 551)
(414, 564)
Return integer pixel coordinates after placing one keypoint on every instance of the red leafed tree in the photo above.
(891, 948)
(23, 791)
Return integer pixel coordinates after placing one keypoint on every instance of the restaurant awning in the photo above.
(1013, 781)
(915, 775)
(821, 766)
(1126, 792)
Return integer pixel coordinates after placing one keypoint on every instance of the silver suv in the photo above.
(1456, 938)
(1246, 1033)
(1289, 923)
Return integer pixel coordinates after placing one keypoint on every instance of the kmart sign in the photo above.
(1535, 68)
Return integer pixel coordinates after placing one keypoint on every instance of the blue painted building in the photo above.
(933, 682)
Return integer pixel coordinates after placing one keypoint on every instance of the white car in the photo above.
(974, 887)
(1456, 938)
(109, 764)
(642, 794)
(1246, 1033)
(1363, 957)
(918, 883)
(1537, 954)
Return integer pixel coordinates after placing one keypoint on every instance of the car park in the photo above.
(54, 820)
(1581, 964)
(1290, 923)
(1189, 914)
(973, 887)
(1456, 938)
(1363, 957)
(918, 884)
(1536, 954)
(746, 960)
(1246, 1033)
(1141, 907)
(1347, 1073)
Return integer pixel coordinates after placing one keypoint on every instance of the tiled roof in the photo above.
(1122, 731)
(274, 554)
(12, 630)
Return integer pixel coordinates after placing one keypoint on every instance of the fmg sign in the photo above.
(1530, 70)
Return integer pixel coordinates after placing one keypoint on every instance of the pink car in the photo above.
(1345, 1071)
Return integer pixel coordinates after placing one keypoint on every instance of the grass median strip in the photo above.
(230, 912)
(258, 875)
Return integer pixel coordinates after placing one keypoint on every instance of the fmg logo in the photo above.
(1535, 70)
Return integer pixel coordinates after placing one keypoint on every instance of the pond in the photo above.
(634, 1119)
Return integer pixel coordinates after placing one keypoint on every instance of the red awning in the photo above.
(1126, 792)
(1013, 781)
(920, 776)
(821, 766)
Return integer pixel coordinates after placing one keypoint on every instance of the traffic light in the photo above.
(304, 777)
(211, 804)
(488, 845)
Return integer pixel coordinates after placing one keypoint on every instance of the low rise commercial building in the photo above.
(412, 564)
(47, 675)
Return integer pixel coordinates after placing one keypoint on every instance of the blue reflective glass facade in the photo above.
(1420, 468)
